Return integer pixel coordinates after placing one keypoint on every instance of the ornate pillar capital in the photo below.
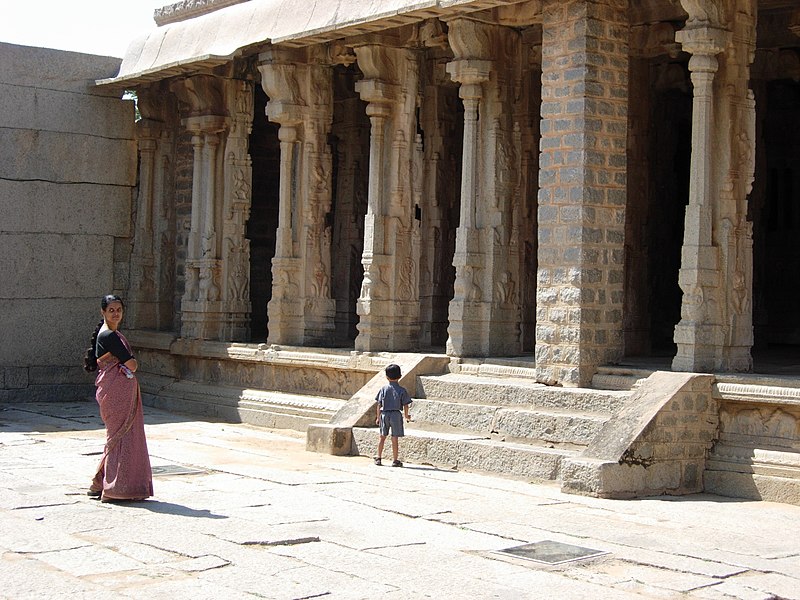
(205, 124)
(148, 129)
(703, 41)
(377, 91)
(200, 95)
(279, 74)
(472, 39)
(470, 73)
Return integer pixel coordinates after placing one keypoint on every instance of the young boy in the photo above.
(391, 399)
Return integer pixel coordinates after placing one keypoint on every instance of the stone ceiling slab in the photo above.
(214, 38)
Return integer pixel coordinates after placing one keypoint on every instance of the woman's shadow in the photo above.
(168, 508)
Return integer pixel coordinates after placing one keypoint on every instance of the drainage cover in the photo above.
(551, 553)
(174, 470)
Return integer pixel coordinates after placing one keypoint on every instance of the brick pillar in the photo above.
(582, 188)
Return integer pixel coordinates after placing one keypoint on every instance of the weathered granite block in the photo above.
(67, 343)
(50, 266)
(56, 69)
(43, 109)
(46, 207)
(66, 158)
(15, 377)
(329, 439)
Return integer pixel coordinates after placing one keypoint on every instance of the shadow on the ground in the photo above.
(179, 510)
(409, 467)
(43, 417)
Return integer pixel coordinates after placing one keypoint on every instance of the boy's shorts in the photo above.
(392, 419)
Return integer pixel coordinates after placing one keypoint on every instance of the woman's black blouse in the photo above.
(108, 341)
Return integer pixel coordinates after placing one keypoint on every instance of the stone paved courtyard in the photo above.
(241, 512)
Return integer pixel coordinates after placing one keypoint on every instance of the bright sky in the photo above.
(103, 27)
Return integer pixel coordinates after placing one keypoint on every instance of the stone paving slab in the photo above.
(242, 512)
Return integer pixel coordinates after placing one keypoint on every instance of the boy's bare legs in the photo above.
(394, 448)
(381, 442)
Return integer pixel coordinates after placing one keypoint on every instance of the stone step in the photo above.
(513, 423)
(469, 452)
(277, 410)
(619, 378)
(515, 391)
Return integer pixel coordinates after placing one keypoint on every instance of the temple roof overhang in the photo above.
(217, 37)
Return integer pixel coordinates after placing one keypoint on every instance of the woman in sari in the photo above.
(124, 470)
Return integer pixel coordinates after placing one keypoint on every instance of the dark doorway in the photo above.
(775, 211)
(349, 140)
(659, 157)
(671, 152)
(441, 129)
(263, 223)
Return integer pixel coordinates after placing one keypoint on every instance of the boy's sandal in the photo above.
(397, 463)
(377, 460)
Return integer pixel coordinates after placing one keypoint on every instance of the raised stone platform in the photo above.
(757, 454)
(653, 432)
(259, 384)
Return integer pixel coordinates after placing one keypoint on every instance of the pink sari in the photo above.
(124, 471)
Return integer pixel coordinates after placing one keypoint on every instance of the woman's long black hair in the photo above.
(90, 360)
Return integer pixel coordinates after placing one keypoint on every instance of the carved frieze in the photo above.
(760, 422)
(188, 9)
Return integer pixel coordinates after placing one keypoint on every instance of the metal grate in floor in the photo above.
(551, 553)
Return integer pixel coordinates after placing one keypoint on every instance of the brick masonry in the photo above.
(582, 191)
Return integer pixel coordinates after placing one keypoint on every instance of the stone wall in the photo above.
(67, 171)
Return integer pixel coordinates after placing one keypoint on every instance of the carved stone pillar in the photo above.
(200, 305)
(238, 175)
(485, 309)
(204, 311)
(151, 295)
(715, 331)
(699, 333)
(299, 86)
(142, 306)
(464, 336)
(388, 306)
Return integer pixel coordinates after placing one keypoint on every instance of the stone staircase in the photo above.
(498, 424)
